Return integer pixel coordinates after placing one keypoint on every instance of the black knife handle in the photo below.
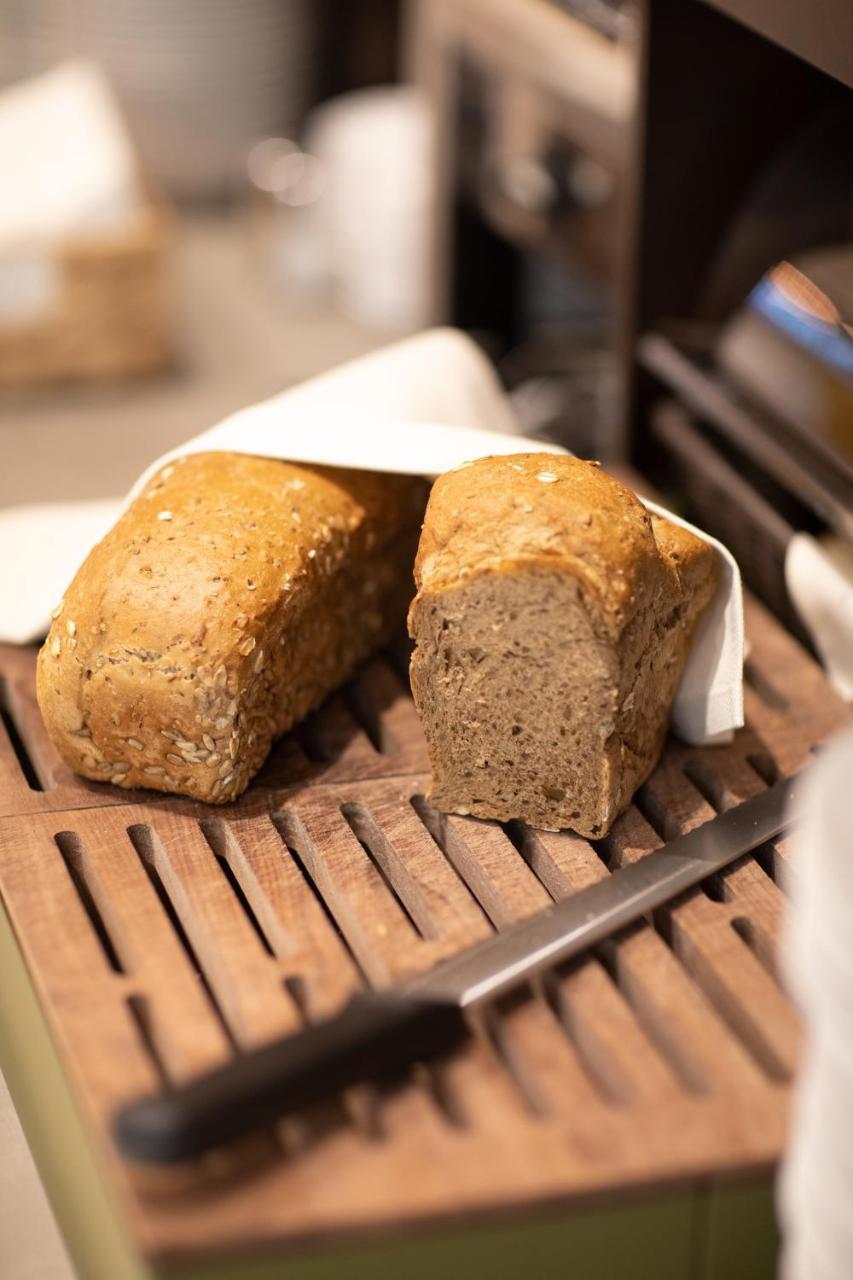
(375, 1034)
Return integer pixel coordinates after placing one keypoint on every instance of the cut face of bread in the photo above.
(544, 688)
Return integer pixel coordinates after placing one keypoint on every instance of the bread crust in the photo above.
(631, 588)
(230, 598)
(489, 515)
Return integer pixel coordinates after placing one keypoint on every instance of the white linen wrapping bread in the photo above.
(418, 407)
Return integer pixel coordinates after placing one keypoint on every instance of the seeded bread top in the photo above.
(562, 513)
(170, 616)
(201, 556)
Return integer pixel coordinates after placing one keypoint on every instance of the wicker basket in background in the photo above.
(111, 316)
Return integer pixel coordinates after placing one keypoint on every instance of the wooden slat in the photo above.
(740, 988)
(306, 942)
(334, 736)
(562, 861)
(368, 730)
(23, 709)
(561, 1065)
(378, 686)
(664, 1055)
(609, 1035)
(450, 913)
(13, 785)
(244, 979)
(380, 931)
(84, 997)
(286, 763)
(487, 863)
(612, 1039)
(676, 1013)
(546, 1066)
(183, 1024)
(340, 747)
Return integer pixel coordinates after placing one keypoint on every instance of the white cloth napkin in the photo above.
(67, 169)
(419, 407)
(819, 578)
(815, 1188)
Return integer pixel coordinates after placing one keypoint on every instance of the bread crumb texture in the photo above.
(231, 597)
(552, 622)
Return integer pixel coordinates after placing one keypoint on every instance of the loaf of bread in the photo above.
(552, 622)
(231, 597)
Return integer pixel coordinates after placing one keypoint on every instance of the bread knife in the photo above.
(383, 1032)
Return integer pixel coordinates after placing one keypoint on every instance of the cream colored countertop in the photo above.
(31, 1247)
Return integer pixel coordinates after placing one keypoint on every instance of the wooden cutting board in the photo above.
(163, 936)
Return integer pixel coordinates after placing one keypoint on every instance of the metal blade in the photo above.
(576, 923)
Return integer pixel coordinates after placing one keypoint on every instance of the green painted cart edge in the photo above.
(87, 1215)
(693, 1233)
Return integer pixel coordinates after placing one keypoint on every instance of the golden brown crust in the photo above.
(229, 599)
(691, 558)
(497, 512)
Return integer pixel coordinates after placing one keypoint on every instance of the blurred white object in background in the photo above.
(68, 171)
(287, 184)
(816, 1185)
(201, 80)
(375, 147)
(65, 157)
(819, 578)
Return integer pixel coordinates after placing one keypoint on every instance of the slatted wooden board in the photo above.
(368, 730)
(163, 936)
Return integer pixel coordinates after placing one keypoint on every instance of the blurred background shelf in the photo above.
(811, 476)
(820, 32)
(740, 164)
(756, 525)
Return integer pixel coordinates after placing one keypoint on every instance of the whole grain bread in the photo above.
(552, 622)
(230, 598)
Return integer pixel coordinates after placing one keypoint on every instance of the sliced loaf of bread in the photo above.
(552, 622)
